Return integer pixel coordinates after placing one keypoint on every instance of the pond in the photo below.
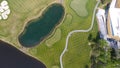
(10, 57)
(38, 29)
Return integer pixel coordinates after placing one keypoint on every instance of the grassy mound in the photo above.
(53, 39)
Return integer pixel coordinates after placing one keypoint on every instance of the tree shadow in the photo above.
(96, 40)
(90, 37)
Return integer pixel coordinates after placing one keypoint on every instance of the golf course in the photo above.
(68, 16)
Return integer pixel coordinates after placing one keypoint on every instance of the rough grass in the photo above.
(53, 39)
(79, 6)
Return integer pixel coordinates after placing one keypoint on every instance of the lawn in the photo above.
(78, 51)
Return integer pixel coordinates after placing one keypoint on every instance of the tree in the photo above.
(100, 54)
(105, 1)
(102, 43)
(90, 37)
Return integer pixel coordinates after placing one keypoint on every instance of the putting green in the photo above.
(79, 6)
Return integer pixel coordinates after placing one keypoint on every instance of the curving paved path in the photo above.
(75, 31)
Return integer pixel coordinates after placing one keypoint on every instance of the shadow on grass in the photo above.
(96, 39)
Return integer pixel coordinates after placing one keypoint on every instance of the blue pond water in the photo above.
(10, 57)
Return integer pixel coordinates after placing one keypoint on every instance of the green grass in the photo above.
(55, 67)
(78, 42)
(27, 5)
(53, 39)
(79, 6)
(10, 29)
(78, 54)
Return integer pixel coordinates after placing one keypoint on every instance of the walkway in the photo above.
(76, 31)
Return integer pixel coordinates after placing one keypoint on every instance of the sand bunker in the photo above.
(4, 10)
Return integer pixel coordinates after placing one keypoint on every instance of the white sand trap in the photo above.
(1, 9)
(4, 16)
(0, 17)
(4, 3)
(7, 11)
(5, 7)
(4, 10)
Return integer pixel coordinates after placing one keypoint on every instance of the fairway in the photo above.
(78, 54)
(79, 6)
(26, 6)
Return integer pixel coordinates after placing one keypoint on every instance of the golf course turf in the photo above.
(24, 11)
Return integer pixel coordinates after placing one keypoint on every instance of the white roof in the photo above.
(101, 16)
(102, 21)
(112, 5)
(101, 11)
(115, 19)
(118, 45)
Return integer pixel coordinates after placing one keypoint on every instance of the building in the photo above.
(109, 25)
(113, 21)
(101, 18)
